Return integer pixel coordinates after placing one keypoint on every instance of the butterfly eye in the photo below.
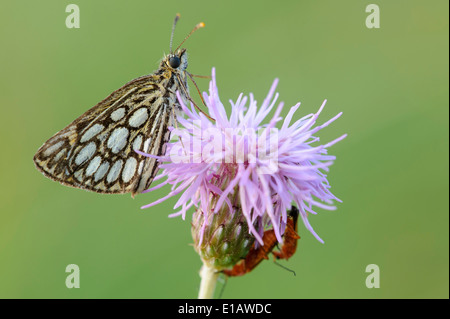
(174, 62)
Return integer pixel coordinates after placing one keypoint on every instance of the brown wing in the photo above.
(96, 151)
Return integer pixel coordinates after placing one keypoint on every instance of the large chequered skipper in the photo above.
(96, 152)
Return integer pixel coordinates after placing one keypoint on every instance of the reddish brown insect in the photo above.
(256, 255)
(290, 237)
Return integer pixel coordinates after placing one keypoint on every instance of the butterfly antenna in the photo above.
(177, 17)
(284, 267)
(198, 26)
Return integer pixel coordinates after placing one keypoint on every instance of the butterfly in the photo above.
(96, 152)
(256, 255)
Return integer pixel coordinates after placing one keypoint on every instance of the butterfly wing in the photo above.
(96, 151)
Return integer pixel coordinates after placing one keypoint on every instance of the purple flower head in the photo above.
(238, 163)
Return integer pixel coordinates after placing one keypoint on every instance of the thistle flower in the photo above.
(242, 175)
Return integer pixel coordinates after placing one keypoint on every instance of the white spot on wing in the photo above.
(118, 114)
(85, 153)
(129, 169)
(79, 175)
(59, 155)
(53, 148)
(118, 139)
(101, 137)
(93, 165)
(101, 171)
(139, 117)
(147, 144)
(114, 171)
(137, 142)
(91, 132)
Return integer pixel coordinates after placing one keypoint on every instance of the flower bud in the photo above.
(224, 240)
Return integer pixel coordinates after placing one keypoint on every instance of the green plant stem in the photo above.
(208, 282)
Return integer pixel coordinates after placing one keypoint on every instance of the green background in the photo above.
(391, 172)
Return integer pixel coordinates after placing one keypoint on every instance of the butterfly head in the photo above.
(177, 61)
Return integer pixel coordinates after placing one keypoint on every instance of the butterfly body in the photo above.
(96, 152)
